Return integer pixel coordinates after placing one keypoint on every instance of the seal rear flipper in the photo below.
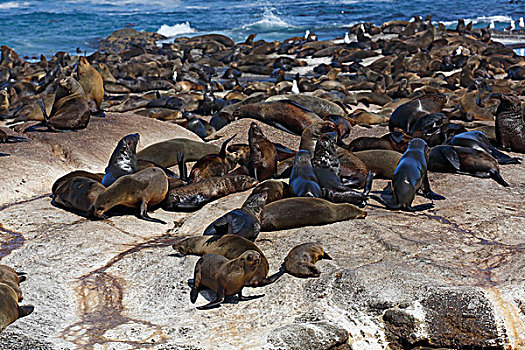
(251, 297)
(368, 183)
(218, 227)
(219, 298)
(25, 310)
(387, 205)
(501, 157)
(427, 192)
(194, 294)
(271, 279)
(496, 176)
(420, 207)
(22, 278)
(326, 256)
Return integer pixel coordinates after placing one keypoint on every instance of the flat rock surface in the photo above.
(449, 277)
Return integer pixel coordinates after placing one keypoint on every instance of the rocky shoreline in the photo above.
(450, 277)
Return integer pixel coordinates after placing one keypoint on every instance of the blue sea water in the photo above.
(33, 27)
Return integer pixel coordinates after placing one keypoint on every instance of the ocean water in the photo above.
(33, 27)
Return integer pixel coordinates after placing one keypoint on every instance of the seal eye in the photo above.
(249, 257)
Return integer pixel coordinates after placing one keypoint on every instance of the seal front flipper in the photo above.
(496, 176)
(25, 310)
(245, 298)
(143, 214)
(427, 192)
(421, 207)
(183, 169)
(271, 279)
(218, 227)
(451, 155)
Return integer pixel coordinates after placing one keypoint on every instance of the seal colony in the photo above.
(410, 76)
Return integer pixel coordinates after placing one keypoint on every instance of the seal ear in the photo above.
(451, 155)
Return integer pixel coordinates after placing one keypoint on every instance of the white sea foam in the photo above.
(482, 19)
(13, 5)
(176, 29)
(269, 21)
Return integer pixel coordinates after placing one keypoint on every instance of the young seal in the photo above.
(245, 221)
(78, 193)
(9, 276)
(325, 164)
(82, 173)
(212, 165)
(10, 311)
(92, 83)
(478, 140)
(274, 190)
(410, 176)
(303, 211)
(510, 124)
(145, 188)
(303, 181)
(165, 153)
(224, 276)
(70, 110)
(263, 156)
(464, 160)
(195, 195)
(123, 160)
(300, 261)
(229, 246)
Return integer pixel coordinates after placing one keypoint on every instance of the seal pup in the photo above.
(300, 261)
(464, 160)
(195, 195)
(263, 156)
(409, 177)
(303, 181)
(81, 173)
(224, 276)
(212, 164)
(77, 193)
(93, 85)
(305, 211)
(10, 311)
(245, 221)
(123, 160)
(143, 189)
(510, 124)
(478, 140)
(229, 246)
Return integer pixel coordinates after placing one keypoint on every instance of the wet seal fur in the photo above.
(123, 160)
(195, 195)
(229, 246)
(409, 177)
(245, 221)
(141, 190)
(303, 211)
(224, 276)
(464, 160)
(303, 181)
(478, 140)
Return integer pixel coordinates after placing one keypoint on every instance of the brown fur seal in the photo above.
(194, 196)
(145, 188)
(92, 83)
(212, 165)
(510, 124)
(70, 110)
(165, 153)
(229, 246)
(320, 106)
(10, 311)
(312, 133)
(4, 100)
(410, 176)
(303, 181)
(407, 114)
(303, 211)
(78, 193)
(123, 160)
(396, 141)
(224, 276)
(464, 160)
(245, 221)
(263, 156)
(274, 190)
(287, 115)
(61, 180)
(381, 162)
(353, 170)
(9, 276)
(300, 261)
(478, 140)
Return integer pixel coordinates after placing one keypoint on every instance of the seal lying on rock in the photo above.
(478, 140)
(165, 153)
(245, 221)
(78, 193)
(224, 276)
(304, 211)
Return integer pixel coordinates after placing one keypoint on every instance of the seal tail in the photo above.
(222, 152)
(496, 176)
